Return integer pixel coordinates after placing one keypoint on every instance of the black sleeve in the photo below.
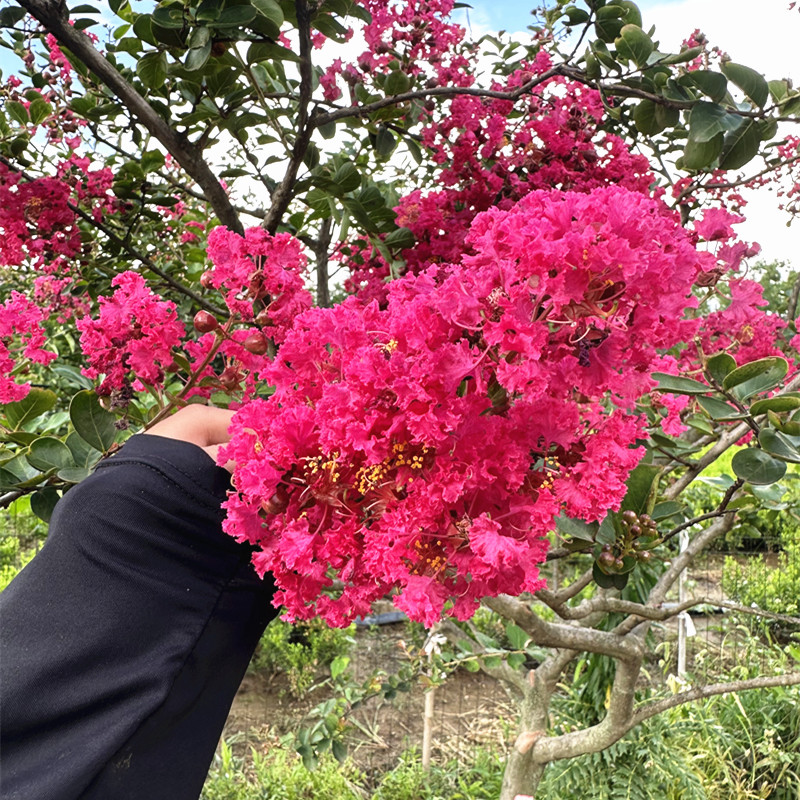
(126, 638)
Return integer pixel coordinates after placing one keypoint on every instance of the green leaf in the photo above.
(74, 474)
(36, 403)
(83, 454)
(718, 409)
(339, 665)
(400, 239)
(756, 377)
(706, 120)
(749, 81)
(647, 119)
(170, 17)
(9, 17)
(741, 146)
(605, 581)
(339, 750)
(516, 660)
(784, 402)
(92, 423)
(517, 636)
(17, 112)
(43, 502)
(266, 51)
(152, 69)
(757, 467)
(385, 142)
(640, 487)
(271, 10)
(39, 111)
(347, 178)
(701, 155)
(576, 16)
(712, 84)
(719, 366)
(576, 528)
(49, 453)
(397, 82)
(634, 44)
(677, 385)
(236, 16)
(689, 54)
(780, 445)
(198, 37)
(667, 509)
(197, 57)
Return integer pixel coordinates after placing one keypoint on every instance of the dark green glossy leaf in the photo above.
(706, 120)
(11, 16)
(400, 239)
(755, 377)
(700, 155)
(605, 581)
(780, 445)
(640, 485)
(197, 57)
(719, 409)
(719, 366)
(235, 16)
(397, 82)
(677, 385)
(646, 119)
(784, 402)
(39, 111)
(74, 474)
(576, 16)
(152, 70)
(48, 453)
(385, 142)
(17, 112)
(169, 16)
(748, 80)
(577, 528)
(271, 10)
(83, 454)
(36, 403)
(741, 146)
(757, 467)
(712, 84)
(91, 421)
(634, 44)
(43, 502)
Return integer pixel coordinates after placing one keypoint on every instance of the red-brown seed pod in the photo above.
(205, 322)
(256, 343)
(205, 279)
(278, 502)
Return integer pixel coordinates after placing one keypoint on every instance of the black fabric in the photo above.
(125, 639)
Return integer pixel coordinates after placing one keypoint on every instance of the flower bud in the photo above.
(205, 322)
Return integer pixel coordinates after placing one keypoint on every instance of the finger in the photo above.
(213, 451)
(200, 425)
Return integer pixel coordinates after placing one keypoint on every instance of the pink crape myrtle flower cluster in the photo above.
(426, 445)
(255, 267)
(21, 337)
(132, 337)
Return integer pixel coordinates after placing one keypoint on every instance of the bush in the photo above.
(300, 651)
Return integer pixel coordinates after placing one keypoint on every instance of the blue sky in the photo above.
(514, 15)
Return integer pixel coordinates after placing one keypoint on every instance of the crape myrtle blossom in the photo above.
(425, 446)
(132, 337)
(21, 337)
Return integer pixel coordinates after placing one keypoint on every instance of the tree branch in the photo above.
(702, 692)
(54, 17)
(570, 637)
(282, 195)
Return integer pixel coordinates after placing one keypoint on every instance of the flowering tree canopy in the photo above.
(477, 304)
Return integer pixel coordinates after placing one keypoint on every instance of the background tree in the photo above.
(129, 162)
